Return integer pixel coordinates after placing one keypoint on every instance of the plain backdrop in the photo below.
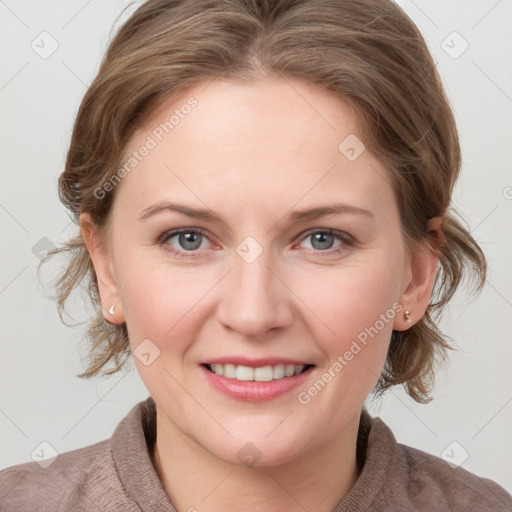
(41, 398)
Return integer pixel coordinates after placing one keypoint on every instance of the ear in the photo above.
(421, 272)
(103, 266)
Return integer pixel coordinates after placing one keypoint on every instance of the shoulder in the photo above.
(397, 478)
(421, 481)
(115, 474)
(458, 488)
(82, 479)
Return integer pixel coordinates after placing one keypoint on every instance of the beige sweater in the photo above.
(117, 474)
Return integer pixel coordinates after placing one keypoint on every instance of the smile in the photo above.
(257, 374)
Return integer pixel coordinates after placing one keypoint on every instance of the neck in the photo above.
(195, 480)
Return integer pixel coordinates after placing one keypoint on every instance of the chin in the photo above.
(257, 454)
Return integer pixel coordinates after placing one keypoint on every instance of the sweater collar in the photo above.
(134, 438)
(130, 443)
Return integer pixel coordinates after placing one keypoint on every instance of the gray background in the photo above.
(41, 399)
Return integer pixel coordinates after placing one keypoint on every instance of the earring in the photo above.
(111, 309)
(407, 316)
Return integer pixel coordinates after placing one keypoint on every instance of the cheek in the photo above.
(355, 323)
(158, 301)
(161, 307)
(354, 306)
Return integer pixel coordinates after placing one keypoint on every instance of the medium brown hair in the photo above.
(368, 52)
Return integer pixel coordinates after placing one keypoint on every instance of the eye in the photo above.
(323, 240)
(189, 242)
(184, 242)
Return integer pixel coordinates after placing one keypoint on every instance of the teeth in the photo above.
(218, 369)
(289, 370)
(260, 374)
(279, 371)
(229, 370)
(244, 373)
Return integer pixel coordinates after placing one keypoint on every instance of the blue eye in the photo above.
(323, 240)
(189, 241)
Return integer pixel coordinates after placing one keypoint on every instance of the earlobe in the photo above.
(422, 271)
(404, 320)
(103, 267)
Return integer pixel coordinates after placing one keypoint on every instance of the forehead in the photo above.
(246, 143)
(240, 114)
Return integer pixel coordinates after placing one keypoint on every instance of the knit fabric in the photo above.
(117, 474)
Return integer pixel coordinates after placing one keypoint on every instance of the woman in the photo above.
(263, 191)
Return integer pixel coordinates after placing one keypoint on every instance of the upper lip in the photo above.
(255, 363)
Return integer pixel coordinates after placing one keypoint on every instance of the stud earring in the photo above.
(111, 309)
(407, 316)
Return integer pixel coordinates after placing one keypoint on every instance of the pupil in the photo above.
(322, 238)
(189, 240)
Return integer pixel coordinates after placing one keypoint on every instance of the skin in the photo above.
(252, 152)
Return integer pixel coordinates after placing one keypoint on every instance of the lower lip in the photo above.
(253, 391)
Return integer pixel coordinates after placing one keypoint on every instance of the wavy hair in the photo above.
(368, 52)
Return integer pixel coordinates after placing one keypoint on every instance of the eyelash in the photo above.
(165, 237)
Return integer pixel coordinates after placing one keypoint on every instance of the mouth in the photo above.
(265, 373)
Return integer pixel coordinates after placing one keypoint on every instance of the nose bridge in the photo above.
(254, 300)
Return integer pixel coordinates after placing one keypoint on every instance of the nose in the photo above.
(255, 298)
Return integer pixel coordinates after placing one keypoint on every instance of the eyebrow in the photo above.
(295, 215)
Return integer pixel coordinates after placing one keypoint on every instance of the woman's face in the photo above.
(254, 280)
